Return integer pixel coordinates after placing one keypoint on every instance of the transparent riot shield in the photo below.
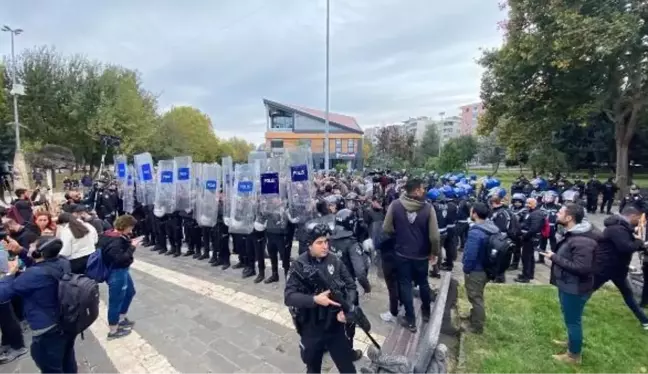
(196, 173)
(244, 199)
(184, 183)
(121, 172)
(260, 158)
(227, 179)
(165, 191)
(273, 199)
(145, 177)
(301, 191)
(128, 196)
(207, 197)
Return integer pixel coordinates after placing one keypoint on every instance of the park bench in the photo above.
(420, 352)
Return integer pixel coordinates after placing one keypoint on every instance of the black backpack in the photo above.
(496, 258)
(79, 302)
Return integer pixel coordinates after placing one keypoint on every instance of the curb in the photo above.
(461, 360)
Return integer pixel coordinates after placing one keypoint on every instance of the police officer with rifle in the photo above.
(321, 295)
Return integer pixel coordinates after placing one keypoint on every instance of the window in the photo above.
(351, 145)
(338, 145)
(276, 143)
(282, 122)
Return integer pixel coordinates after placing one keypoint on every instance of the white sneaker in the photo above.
(387, 317)
(645, 326)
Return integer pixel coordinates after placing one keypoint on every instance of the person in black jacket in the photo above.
(614, 254)
(634, 198)
(572, 271)
(319, 321)
(117, 251)
(24, 204)
(531, 232)
(608, 190)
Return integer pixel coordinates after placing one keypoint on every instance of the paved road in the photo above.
(191, 317)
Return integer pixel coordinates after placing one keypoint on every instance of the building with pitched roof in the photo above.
(291, 126)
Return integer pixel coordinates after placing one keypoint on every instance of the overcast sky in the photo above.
(390, 59)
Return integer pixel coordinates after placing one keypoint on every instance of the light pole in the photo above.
(13, 81)
(442, 115)
(326, 120)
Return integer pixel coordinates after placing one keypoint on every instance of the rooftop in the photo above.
(336, 118)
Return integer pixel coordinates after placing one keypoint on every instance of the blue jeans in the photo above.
(53, 352)
(572, 307)
(416, 271)
(121, 291)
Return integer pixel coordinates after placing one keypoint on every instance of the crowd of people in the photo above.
(412, 228)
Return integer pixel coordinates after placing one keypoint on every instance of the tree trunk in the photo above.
(622, 167)
(496, 167)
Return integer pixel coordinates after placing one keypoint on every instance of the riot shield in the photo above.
(227, 179)
(207, 196)
(301, 190)
(128, 195)
(184, 183)
(273, 198)
(165, 189)
(260, 158)
(145, 177)
(196, 173)
(244, 199)
(121, 173)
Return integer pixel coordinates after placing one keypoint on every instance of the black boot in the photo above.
(177, 252)
(197, 254)
(147, 243)
(162, 250)
(273, 278)
(214, 259)
(226, 266)
(238, 265)
(190, 252)
(155, 249)
(204, 255)
(259, 277)
(248, 272)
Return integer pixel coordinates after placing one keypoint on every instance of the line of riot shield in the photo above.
(165, 191)
(301, 192)
(146, 177)
(273, 198)
(128, 196)
(121, 172)
(184, 184)
(227, 179)
(207, 200)
(244, 199)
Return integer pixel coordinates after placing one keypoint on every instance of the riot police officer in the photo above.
(520, 211)
(634, 198)
(450, 242)
(319, 321)
(437, 200)
(608, 190)
(550, 207)
(592, 190)
(344, 244)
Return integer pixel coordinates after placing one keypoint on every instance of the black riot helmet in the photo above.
(346, 219)
(316, 230)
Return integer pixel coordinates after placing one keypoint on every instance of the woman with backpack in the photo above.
(117, 251)
(79, 239)
(52, 349)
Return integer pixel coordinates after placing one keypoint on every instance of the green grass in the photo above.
(523, 320)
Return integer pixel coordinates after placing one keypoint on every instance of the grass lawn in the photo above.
(523, 320)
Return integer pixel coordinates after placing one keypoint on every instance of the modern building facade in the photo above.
(449, 128)
(469, 115)
(289, 127)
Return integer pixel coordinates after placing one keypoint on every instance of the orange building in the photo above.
(290, 126)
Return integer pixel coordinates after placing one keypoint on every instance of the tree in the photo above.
(394, 148)
(562, 62)
(239, 149)
(451, 158)
(489, 151)
(186, 130)
(430, 144)
(467, 147)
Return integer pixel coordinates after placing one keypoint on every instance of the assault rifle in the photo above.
(317, 282)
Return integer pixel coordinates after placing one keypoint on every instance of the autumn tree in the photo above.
(562, 62)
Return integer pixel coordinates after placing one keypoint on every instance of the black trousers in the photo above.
(174, 231)
(391, 281)
(240, 247)
(222, 232)
(644, 291)
(528, 260)
(312, 348)
(160, 224)
(53, 352)
(450, 246)
(607, 203)
(149, 225)
(290, 236)
(277, 249)
(78, 265)
(256, 244)
(515, 254)
(10, 327)
(461, 233)
(592, 202)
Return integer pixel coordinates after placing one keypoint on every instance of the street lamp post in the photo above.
(326, 121)
(14, 32)
(442, 115)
